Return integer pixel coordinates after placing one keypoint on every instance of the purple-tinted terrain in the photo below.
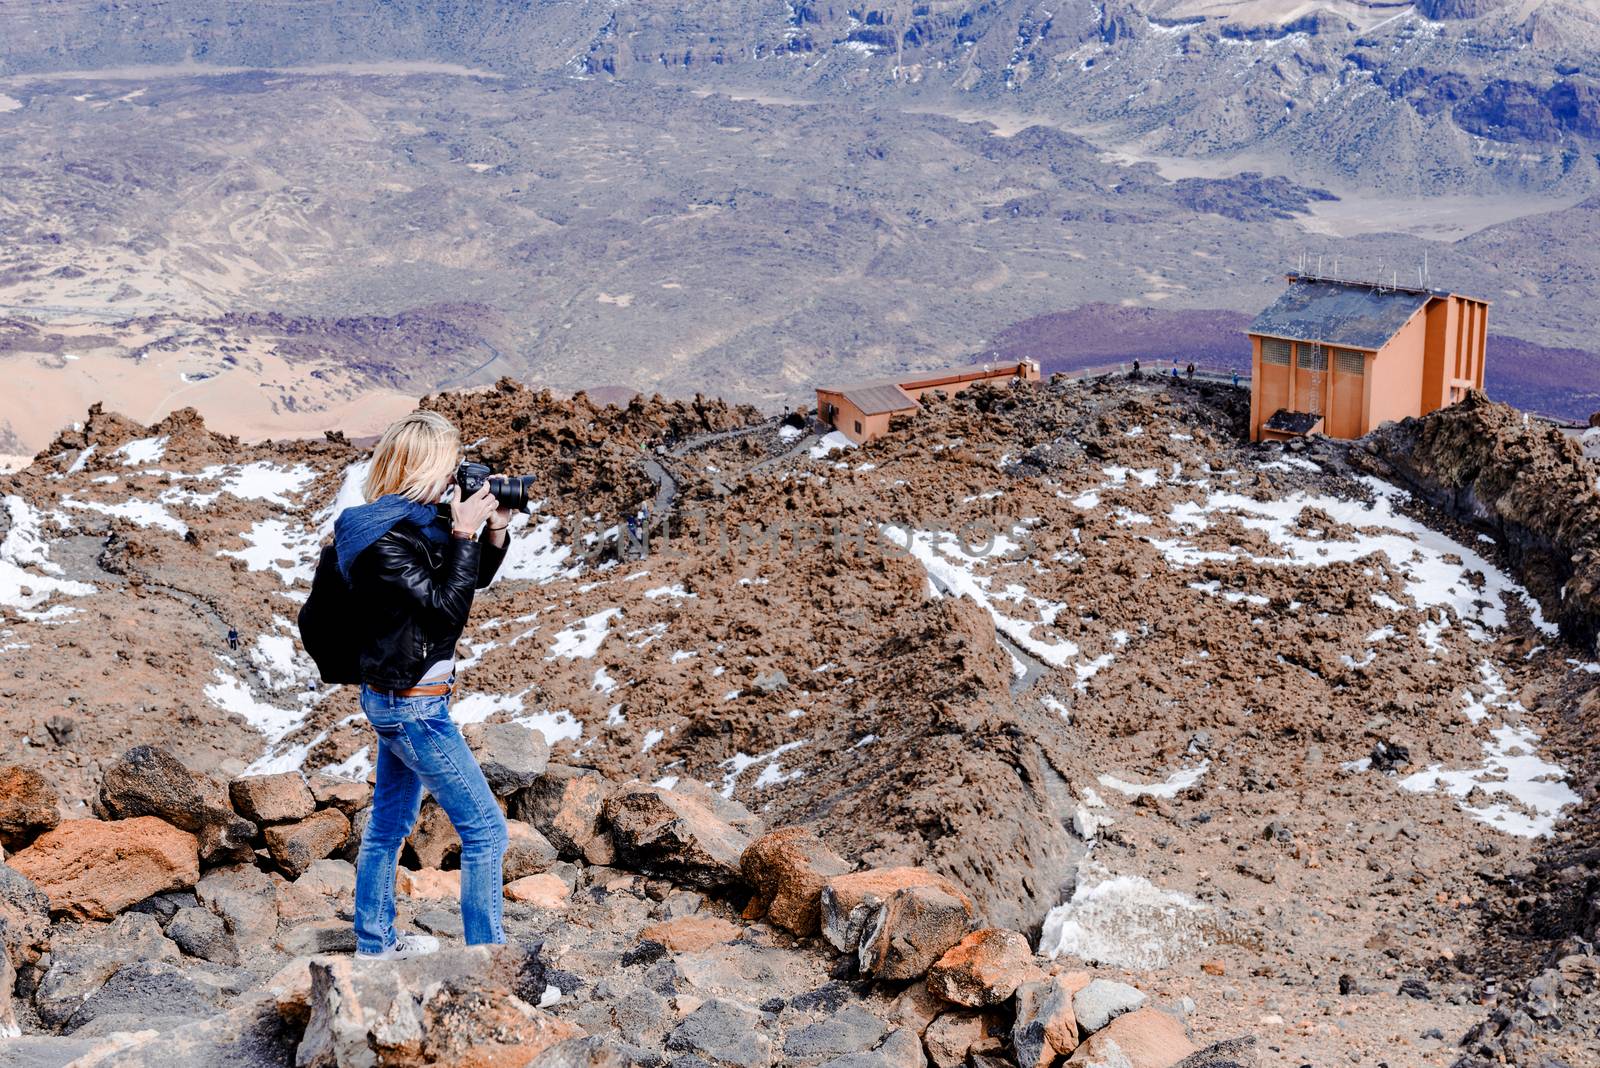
(1560, 382)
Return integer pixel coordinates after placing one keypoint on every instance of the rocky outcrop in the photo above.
(273, 798)
(28, 806)
(787, 869)
(687, 833)
(93, 870)
(1524, 482)
(150, 781)
(984, 968)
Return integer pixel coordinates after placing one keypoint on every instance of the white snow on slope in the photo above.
(24, 547)
(275, 545)
(141, 451)
(532, 554)
(231, 695)
(261, 481)
(140, 513)
(1418, 553)
(1178, 780)
(582, 639)
(1124, 921)
(946, 561)
(350, 494)
(829, 443)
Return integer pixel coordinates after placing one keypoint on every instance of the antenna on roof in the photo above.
(1420, 283)
(1427, 274)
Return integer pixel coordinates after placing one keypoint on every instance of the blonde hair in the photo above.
(414, 457)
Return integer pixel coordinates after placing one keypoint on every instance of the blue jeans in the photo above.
(419, 746)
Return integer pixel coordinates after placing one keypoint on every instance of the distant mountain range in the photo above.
(276, 212)
(1442, 95)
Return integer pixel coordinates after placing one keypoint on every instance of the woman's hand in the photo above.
(466, 516)
(497, 526)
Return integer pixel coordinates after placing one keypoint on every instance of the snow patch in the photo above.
(1124, 921)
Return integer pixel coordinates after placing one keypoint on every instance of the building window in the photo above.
(1313, 357)
(1350, 363)
(858, 426)
(1275, 352)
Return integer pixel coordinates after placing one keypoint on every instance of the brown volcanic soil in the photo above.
(1163, 626)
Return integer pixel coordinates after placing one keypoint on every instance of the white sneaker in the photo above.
(405, 947)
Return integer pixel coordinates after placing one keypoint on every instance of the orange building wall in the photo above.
(1347, 414)
(1394, 388)
(1269, 389)
(849, 415)
(873, 426)
(1428, 364)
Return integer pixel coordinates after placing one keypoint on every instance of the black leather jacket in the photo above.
(415, 595)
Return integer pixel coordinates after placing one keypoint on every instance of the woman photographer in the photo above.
(414, 571)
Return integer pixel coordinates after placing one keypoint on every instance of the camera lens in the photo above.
(512, 491)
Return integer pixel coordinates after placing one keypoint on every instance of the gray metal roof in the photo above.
(1359, 315)
(874, 400)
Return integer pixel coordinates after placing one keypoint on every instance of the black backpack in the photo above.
(329, 624)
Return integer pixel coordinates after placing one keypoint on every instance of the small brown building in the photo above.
(861, 410)
(1338, 357)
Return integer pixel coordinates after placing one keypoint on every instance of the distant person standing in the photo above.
(233, 637)
(414, 567)
(1236, 380)
(1190, 371)
(1135, 368)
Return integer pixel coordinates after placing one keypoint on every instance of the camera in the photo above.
(510, 490)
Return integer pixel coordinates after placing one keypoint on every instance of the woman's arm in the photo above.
(492, 543)
(443, 602)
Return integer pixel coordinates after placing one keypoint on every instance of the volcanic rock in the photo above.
(683, 833)
(458, 1006)
(724, 1034)
(248, 1034)
(247, 900)
(850, 1030)
(847, 902)
(1102, 1001)
(1144, 1038)
(430, 883)
(24, 917)
(295, 845)
(566, 805)
(346, 795)
(527, 851)
(1045, 1027)
(150, 781)
(910, 932)
(28, 805)
(91, 869)
(1229, 1053)
(434, 839)
(202, 933)
(329, 878)
(273, 798)
(984, 968)
(146, 989)
(512, 756)
(953, 1036)
(690, 934)
(545, 890)
(787, 869)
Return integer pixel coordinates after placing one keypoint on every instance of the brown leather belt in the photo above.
(438, 689)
